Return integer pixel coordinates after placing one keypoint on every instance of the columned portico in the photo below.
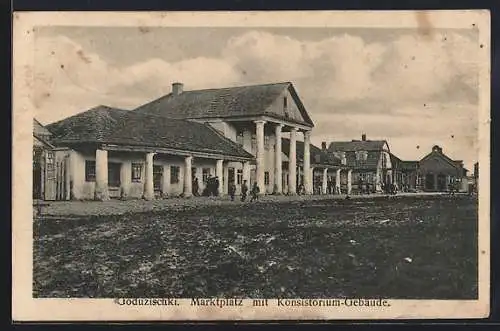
(292, 163)
(188, 181)
(148, 178)
(219, 172)
(307, 162)
(324, 183)
(101, 175)
(278, 187)
(260, 169)
(349, 181)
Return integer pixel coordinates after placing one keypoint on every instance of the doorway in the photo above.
(114, 182)
(158, 178)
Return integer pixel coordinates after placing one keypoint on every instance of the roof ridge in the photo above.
(237, 86)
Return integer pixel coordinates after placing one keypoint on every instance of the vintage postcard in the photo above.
(251, 165)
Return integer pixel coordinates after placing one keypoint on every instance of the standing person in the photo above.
(216, 186)
(209, 185)
(232, 191)
(196, 187)
(244, 190)
(254, 192)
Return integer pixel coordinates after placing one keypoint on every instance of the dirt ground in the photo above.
(398, 247)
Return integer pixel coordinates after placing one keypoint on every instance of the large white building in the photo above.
(159, 148)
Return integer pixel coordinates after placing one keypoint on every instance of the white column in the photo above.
(292, 163)
(278, 187)
(188, 178)
(260, 155)
(149, 193)
(101, 175)
(307, 162)
(166, 180)
(324, 183)
(349, 181)
(246, 172)
(311, 176)
(337, 182)
(125, 179)
(219, 172)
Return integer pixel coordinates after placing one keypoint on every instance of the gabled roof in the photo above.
(438, 152)
(103, 124)
(317, 155)
(224, 102)
(357, 145)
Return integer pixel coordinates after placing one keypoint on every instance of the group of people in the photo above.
(211, 187)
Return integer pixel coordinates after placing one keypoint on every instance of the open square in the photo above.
(403, 247)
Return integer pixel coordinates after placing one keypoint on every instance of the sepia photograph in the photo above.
(230, 166)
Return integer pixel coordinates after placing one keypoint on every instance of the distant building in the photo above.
(437, 172)
(370, 161)
(405, 174)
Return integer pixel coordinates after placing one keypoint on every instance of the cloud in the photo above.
(423, 88)
(70, 79)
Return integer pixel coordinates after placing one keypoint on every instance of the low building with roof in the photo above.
(437, 172)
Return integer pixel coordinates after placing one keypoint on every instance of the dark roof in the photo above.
(356, 145)
(39, 129)
(224, 102)
(115, 126)
(397, 163)
(317, 155)
(439, 152)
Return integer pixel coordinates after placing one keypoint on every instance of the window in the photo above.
(361, 155)
(239, 176)
(239, 137)
(254, 142)
(136, 172)
(174, 174)
(267, 142)
(266, 178)
(89, 171)
(50, 165)
(205, 174)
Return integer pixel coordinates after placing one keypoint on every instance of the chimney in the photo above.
(177, 88)
(363, 137)
(323, 145)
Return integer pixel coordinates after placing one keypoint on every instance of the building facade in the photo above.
(174, 144)
(439, 173)
(369, 160)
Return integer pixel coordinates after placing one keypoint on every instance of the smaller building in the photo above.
(439, 173)
(405, 174)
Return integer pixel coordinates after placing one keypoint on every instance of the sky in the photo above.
(414, 90)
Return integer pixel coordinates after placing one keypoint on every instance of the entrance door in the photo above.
(114, 182)
(230, 175)
(37, 174)
(429, 182)
(441, 183)
(157, 178)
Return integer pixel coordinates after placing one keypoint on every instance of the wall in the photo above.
(277, 107)
(83, 190)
